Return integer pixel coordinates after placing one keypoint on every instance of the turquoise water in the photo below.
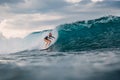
(84, 50)
(89, 35)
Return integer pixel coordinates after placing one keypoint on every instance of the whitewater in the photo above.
(32, 41)
(83, 50)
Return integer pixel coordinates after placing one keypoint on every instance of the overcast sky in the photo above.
(20, 17)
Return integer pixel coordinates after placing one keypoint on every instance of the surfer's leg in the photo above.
(49, 42)
(46, 42)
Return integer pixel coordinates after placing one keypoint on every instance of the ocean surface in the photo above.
(83, 50)
(101, 64)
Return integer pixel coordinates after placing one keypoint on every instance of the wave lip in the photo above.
(89, 35)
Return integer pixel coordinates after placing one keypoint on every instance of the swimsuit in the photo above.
(46, 38)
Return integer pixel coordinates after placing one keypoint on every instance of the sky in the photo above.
(21, 17)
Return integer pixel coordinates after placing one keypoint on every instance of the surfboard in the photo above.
(46, 50)
(43, 49)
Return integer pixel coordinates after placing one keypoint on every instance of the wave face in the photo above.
(89, 35)
(82, 35)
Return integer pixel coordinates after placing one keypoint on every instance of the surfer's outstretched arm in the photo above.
(53, 37)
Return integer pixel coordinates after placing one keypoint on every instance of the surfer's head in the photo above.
(50, 34)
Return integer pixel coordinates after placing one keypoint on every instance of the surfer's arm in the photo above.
(51, 37)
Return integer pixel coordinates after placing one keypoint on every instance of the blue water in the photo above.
(88, 35)
(83, 50)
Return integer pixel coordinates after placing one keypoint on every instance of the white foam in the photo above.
(33, 41)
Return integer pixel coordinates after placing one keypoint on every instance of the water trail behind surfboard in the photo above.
(33, 41)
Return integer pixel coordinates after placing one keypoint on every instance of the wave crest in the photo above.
(88, 35)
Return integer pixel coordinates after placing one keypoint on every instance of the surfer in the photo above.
(47, 39)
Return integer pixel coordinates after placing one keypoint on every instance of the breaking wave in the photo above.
(89, 35)
(82, 35)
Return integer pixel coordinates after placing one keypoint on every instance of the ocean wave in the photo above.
(94, 34)
(89, 35)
